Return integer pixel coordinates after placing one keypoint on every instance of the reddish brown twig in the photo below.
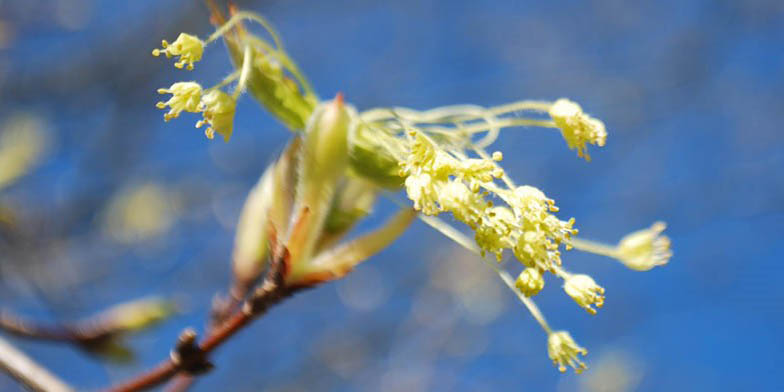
(190, 357)
(87, 333)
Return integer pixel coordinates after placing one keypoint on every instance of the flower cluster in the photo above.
(439, 181)
(329, 178)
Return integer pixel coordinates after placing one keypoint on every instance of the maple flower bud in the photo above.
(138, 314)
(577, 128)
(530, 282)
(325, 151)
(584, 290)
(645, 249)
(323, 163)
(189, 47)
(563, 351)
(186, 96)
(250, 243)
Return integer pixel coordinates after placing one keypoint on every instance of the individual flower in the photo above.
(584, 290)
(577, 128)
(530, 282)
(496, 231)
(186, 96)
(189, 48)
(563, 351)
(466, 205)
(218, 109)
(645, 249)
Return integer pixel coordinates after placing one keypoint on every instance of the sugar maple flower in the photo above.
(188, 47)
(645, 249)
(530, 282)
(584, 290)
(186, 96)
(564, 351)
(218, 109)
(577, 128)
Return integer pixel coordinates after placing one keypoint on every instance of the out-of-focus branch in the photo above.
(28, 372)
(93, 332)
(82, 333)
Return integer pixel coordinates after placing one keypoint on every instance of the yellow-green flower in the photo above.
(577, 128)
(563, 351)
(584, 290)
(541, 232)
(218, 109)
(186, 96)
(189, 48)
(645, 249)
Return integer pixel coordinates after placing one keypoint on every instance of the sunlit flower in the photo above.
(563, 351)
(189, 48)
(218, 108)
(530, 282)
(542, 233)
(186, 96)
(645, 249)
(577, 128)
(495, 233)
(584, 290)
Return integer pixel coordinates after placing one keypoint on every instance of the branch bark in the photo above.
(28, 372)
(190, 357)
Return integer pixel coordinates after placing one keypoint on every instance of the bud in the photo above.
(530, 282)
(138, 314)
(323, 163)
(250, 242)
(370, 159)
(268, 205)
(645, 249)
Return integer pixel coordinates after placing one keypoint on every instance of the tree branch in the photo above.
(28, 372)
(85, 333)
(190, 357)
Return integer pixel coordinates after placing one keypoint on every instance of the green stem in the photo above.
(594, 247)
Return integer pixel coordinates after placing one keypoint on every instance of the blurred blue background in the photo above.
(690, 91)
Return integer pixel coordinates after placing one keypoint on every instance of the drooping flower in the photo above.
(188, 47)
(563, 351)
(577, 128)
(186, 96)
(218, 109)
(645, 249)
(584, 290)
